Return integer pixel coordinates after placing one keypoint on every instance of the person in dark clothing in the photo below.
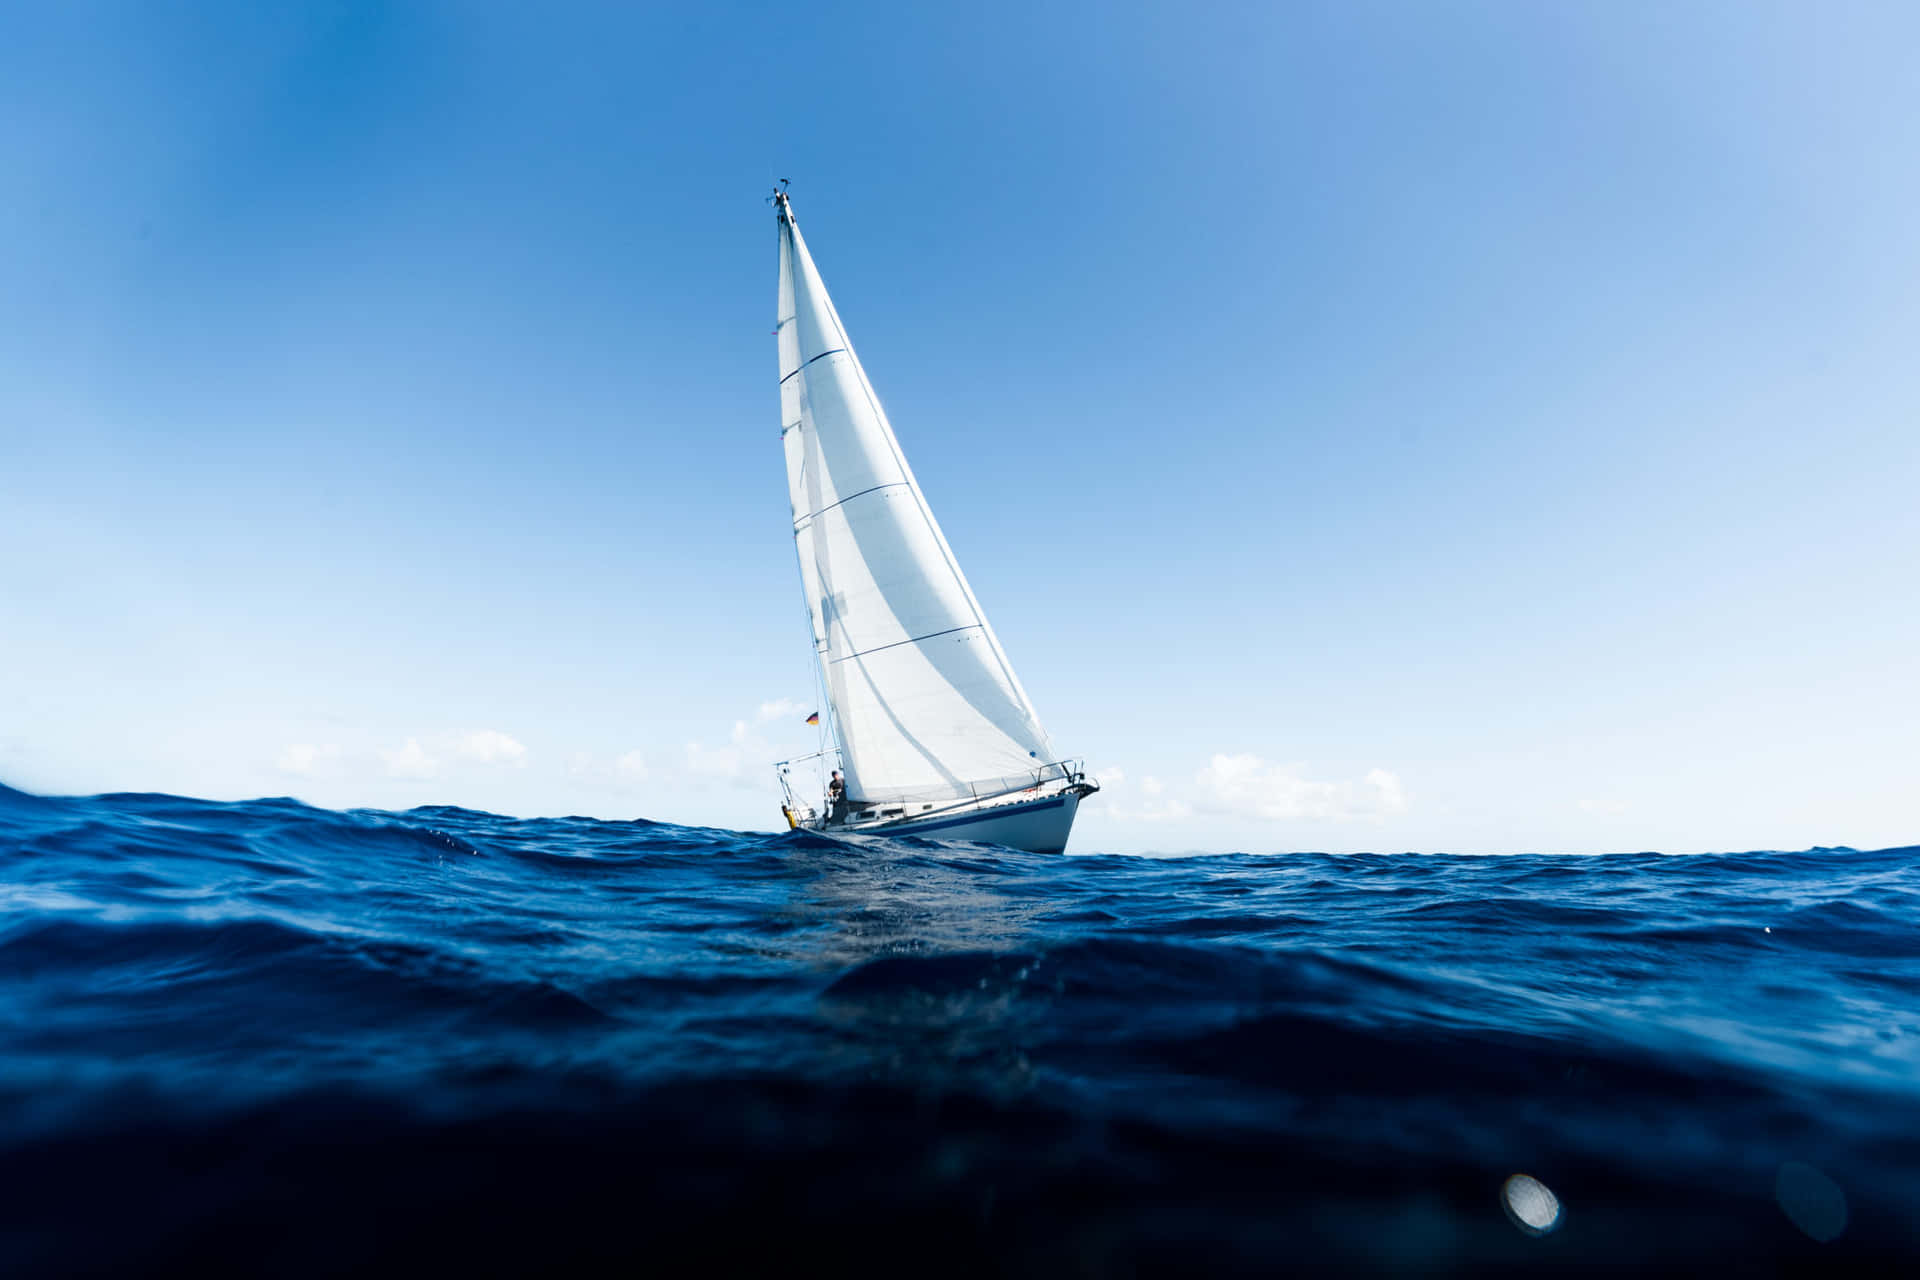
(837, 798)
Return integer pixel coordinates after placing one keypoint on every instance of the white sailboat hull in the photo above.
(1038, 826)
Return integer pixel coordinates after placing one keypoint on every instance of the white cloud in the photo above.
(410, 761)
(742, 759)
(1611, 808)
(1163, 810)
(1118, 801)
(621, 773)
(304, 757)
(713, 762)
(1388, 794)
(1247, 786)
(490, 746)
(781, 708)
(738, 762)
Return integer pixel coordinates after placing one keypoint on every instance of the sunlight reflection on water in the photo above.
(1811, 1200)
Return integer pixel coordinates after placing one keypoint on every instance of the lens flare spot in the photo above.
(1529, 1205)
(1811, 1200)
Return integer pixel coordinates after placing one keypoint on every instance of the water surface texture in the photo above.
(268, 1038)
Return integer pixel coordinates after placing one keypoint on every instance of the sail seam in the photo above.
(822, 356)
(815, 515)
(931, 635)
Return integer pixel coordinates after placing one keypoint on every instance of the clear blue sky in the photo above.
(1471, 427)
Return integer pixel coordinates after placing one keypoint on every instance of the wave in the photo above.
(246, 1024)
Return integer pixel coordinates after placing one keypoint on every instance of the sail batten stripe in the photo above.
(822, 356)
(931, 635)
(815, 515)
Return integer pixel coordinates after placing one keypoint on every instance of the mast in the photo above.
(790, 426)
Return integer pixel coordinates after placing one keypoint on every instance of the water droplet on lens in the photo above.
(1811, 1200)
(1529, 1205)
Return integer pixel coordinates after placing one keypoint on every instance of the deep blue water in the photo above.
(270, 1038)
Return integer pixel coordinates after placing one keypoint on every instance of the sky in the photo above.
(1455, 427)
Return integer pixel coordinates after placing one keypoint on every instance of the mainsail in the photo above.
(924, 704)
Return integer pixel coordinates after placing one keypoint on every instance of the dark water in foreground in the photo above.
(267, 1038)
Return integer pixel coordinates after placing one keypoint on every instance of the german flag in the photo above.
(814, 718)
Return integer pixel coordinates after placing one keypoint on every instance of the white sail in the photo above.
(923, 701)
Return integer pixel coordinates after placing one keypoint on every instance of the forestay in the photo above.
(923, 701)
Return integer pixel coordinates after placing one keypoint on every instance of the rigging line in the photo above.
(815, 515)
(931, 635)
(822, 356)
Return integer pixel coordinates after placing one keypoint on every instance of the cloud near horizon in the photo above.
(305, 758)
(415, 758)
(410, 761)
(490, 746)
(1247, 786)
(744, 760)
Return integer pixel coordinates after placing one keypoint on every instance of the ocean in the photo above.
(267, 1038)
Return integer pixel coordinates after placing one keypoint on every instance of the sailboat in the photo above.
(929, 726)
